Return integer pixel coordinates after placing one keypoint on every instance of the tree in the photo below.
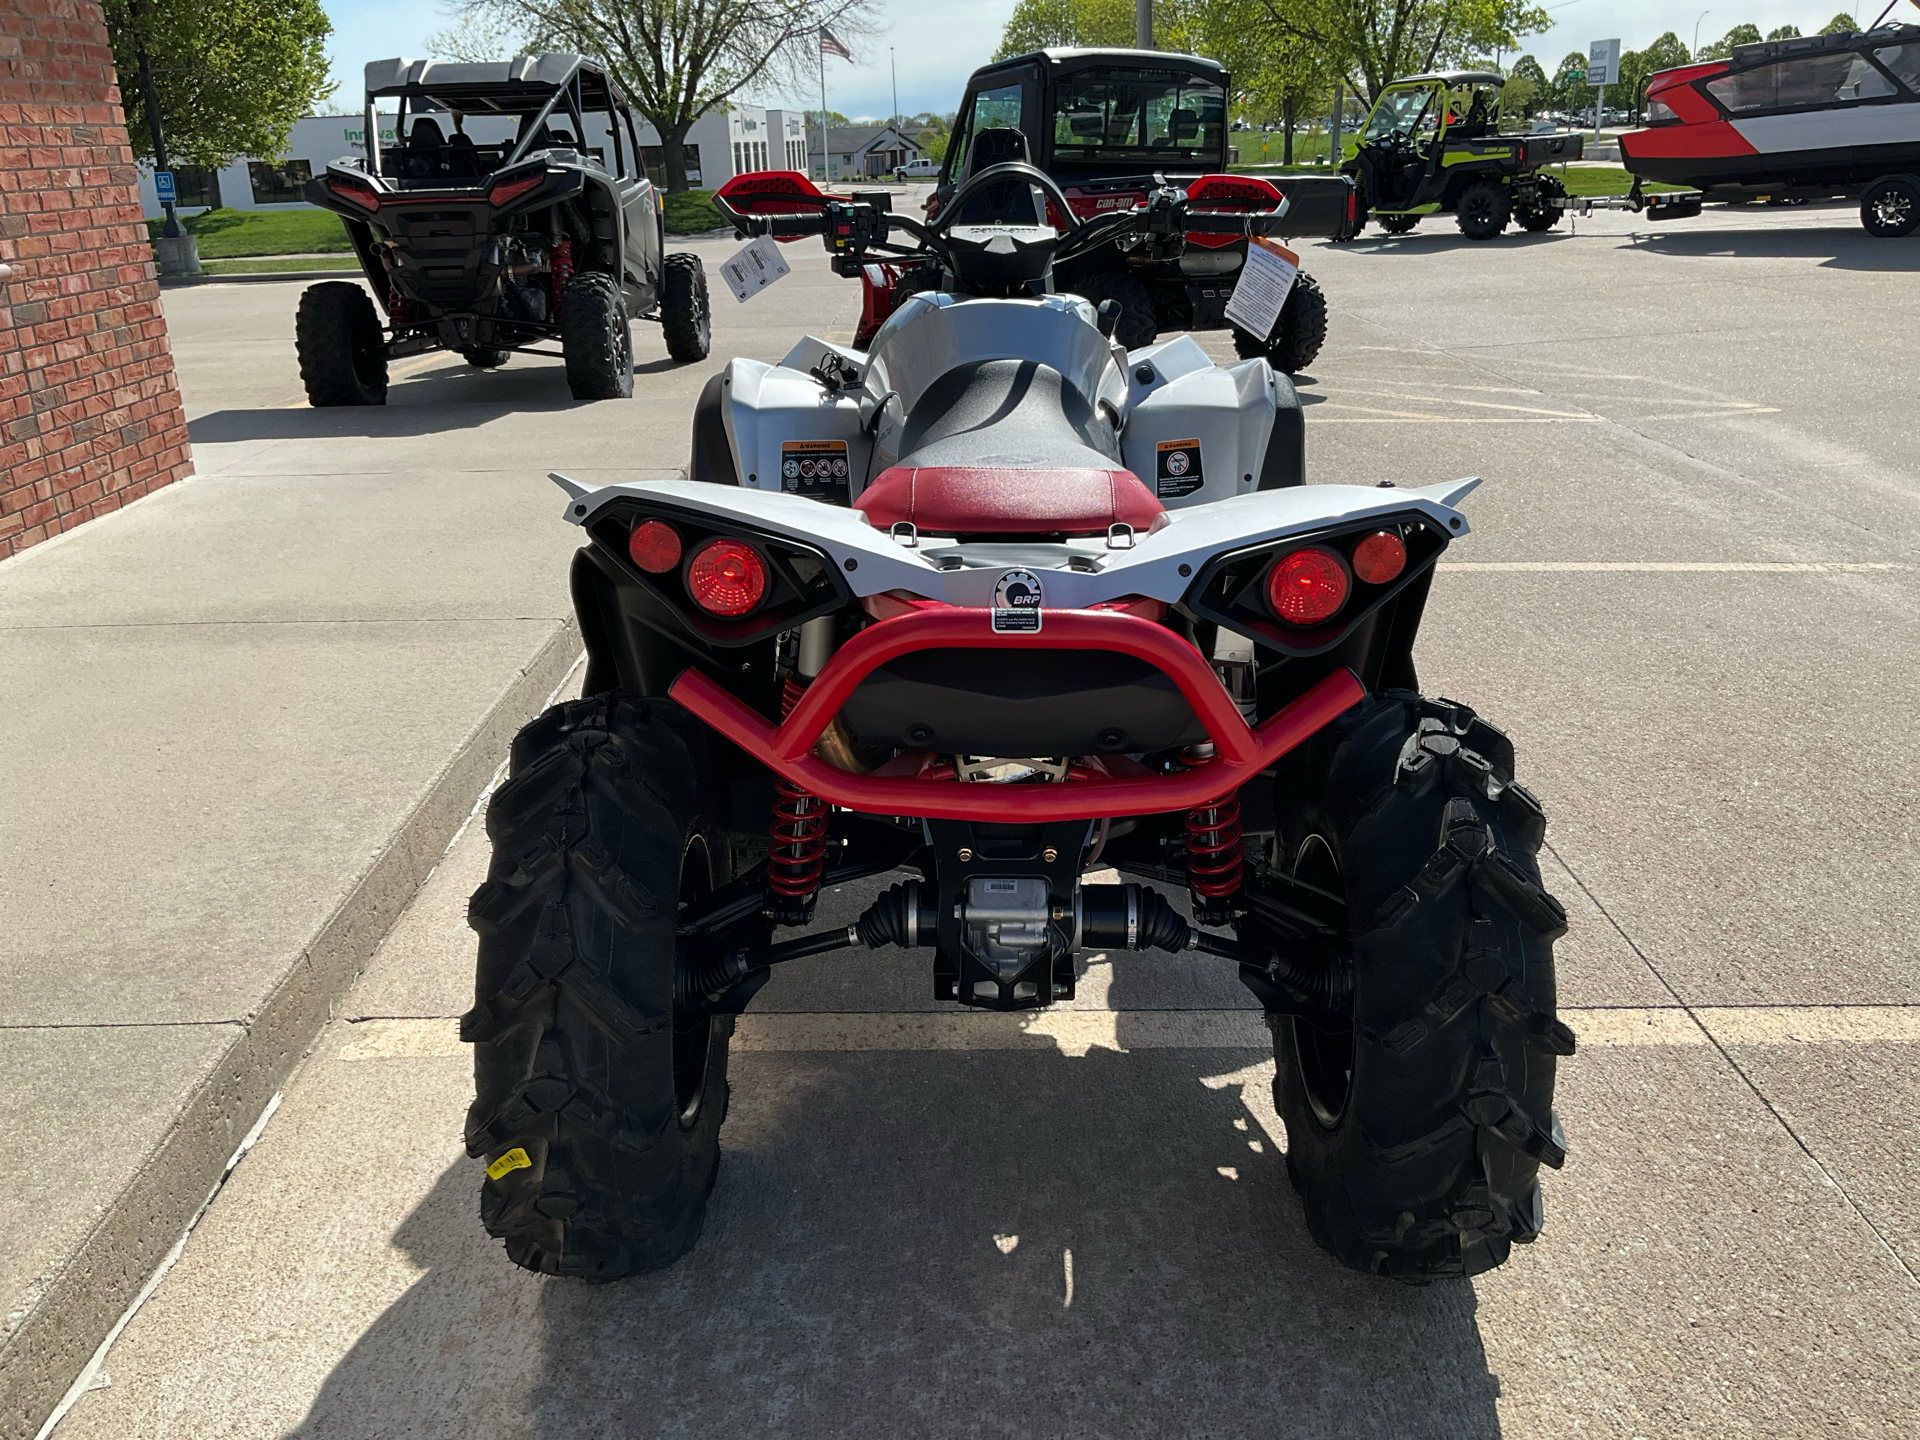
(1841, 24)
(231, 76)
(1377, 41)
(1570, 90)
(1739, 35)
(1275, 75)
(1527, 72)
(478, 38)
(1637, 65)
(1784, 32)
(678, 59)
(1036, 24)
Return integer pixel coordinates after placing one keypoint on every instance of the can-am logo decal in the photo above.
(1016, 603)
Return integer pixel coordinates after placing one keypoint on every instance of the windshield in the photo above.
(1114, 114)
(1401, 112)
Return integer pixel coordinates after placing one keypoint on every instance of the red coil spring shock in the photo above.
(1214, 852)
(562, 268)
(399, 309)
(798, 854)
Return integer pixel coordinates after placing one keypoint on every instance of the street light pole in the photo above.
(171, 231)
(1143, 24)
(1696, 35)
(895, 71)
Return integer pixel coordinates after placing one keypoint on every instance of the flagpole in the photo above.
(826, 167)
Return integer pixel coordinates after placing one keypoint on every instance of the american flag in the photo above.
(829, 45)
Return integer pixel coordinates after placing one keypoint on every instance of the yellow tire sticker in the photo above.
(514, 1159)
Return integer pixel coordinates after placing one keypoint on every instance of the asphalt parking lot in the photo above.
(1691, 596)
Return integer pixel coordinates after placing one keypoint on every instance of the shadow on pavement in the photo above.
(940, 1243)
(1848, 248)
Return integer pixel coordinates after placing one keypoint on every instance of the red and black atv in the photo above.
(993, 603)
(1111, 126)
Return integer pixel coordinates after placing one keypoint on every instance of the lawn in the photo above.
(1604, 180)
(224, 233)
(691, 211)
(274, 265)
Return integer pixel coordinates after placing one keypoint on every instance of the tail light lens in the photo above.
(1307, 586)
(655, 547)
(726, 578)
(357, 192)
(508, 191)
(1380, 557)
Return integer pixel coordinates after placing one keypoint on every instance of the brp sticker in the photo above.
(1178, 471)
(1016, 603)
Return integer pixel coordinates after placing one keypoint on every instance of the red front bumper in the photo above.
(1241, 752)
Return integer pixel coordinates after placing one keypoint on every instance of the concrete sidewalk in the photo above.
(246, 716)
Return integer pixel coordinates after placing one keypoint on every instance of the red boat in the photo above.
(1808, 118)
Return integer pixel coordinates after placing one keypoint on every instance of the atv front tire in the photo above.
(686, 314)
(1300, 334)
(1417, 1121)
(1483, 211)
(1139, 326)
(342, 348)
(596, 338)
(599, 1103)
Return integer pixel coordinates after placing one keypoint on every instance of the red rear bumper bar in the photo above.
(1241, 752)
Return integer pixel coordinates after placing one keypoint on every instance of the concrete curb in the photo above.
(174, 282)
(40, 1359)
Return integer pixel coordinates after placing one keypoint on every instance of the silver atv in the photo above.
(999, 605)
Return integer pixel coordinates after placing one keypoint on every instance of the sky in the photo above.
(935, 46)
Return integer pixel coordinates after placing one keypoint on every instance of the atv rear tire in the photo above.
(1301, 333)
(686, 314)
(486, 359)
(1139, 326)
(1890, 207)
(1397, 224)
(1483, 211)
(1417, 1125)
(1535, 220)
(598, 1107)
(342, 348)
(596, 337)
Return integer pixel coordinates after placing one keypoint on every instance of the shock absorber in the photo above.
(797, 852)
(562, 272)
(399, 309)
(1214, 852)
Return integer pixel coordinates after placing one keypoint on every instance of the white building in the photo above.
(721, 144)
(862, 151)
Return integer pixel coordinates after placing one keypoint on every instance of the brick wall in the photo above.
(90, 413)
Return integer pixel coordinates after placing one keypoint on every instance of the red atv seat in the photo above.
(1004, 500)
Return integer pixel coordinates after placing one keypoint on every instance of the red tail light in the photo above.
(727, 578)
(1380, 557)
(655, 547)
(1307, 586)
(508, 191)
(357, 192)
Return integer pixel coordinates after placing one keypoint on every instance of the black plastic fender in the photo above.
(1285, 461)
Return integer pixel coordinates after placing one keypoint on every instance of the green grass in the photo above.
(270, 266)
(691, 211)
(1604, 180)
(224, 233)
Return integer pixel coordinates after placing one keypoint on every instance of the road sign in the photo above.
(163, 186)
(1603, 62)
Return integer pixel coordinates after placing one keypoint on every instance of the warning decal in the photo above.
(1178, 470)
(806, 465)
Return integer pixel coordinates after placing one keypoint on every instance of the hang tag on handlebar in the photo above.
(1262, 289)
(754, 268)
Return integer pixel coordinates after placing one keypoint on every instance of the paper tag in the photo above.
(514, 1159)
(1262, 289)
(754, 268)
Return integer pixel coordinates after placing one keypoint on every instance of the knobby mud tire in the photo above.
(1534, 221)
(596, 338)
(1483, 210)
(488, 359)
(599, 1118)
(1300, 334)
(1424, 1161)
(342, 347)
(1397, 224)
(686, 312)
(1139, 327)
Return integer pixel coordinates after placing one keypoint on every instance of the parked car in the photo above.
(922, 169)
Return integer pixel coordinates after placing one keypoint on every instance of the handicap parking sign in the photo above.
(163, 186)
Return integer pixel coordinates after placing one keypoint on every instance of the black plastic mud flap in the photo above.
(1285, 463)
